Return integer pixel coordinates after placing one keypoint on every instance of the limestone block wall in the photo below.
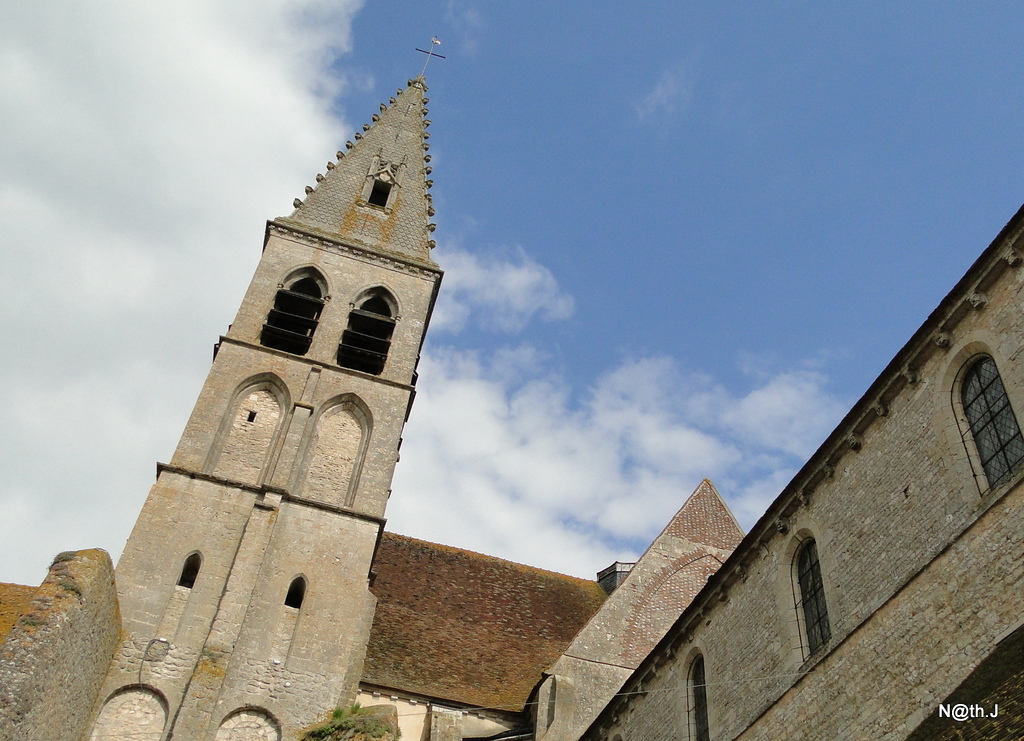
(917, 553)
(310, 397)
(630, 623)
(54, 659)
(349, 273)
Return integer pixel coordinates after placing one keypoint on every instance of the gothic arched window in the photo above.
(697, 696)
(291, 323)
(190, 571)
(365, 344)
(993, 425)
(817, 630)
(296, 593)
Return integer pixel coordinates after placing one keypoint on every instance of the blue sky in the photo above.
(679, 241)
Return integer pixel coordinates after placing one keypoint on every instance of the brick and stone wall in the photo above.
(55, 657)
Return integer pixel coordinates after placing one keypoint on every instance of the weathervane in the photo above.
(434, 41)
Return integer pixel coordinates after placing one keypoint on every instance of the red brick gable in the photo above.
(473, 629)
(706, 519)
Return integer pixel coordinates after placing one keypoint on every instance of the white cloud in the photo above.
(673, 92)
(523, 470)
(142, 147)
(502, 294)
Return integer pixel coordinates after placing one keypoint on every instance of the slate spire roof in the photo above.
(376, 195)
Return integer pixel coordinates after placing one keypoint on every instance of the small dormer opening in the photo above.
(379, 194)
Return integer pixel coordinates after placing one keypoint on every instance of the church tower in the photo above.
(244, 584)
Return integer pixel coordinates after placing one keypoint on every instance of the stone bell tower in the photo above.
(243, 586)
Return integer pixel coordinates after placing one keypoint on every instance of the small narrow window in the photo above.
(251, 416)
(190, 571)
(993, 424)
(365, 344)
(379, 194)
(293, 320)
(812, 598)
(698, 695)
(296, 593)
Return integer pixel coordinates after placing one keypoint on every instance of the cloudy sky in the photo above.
(679, 242)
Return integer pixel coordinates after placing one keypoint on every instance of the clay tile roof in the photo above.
(14, 602)
(473, 629)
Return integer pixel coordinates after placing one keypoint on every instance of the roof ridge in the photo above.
(489, 557)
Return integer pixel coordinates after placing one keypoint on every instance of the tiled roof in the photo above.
(14, 602)
(473, 629)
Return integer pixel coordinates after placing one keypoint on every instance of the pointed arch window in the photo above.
(296, 593)
(992, 422)
(190, 571)
(293, 320)
(817, 630)
(697, 694)
(365, 344)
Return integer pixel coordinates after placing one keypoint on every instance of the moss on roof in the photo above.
(460, 626)
(14, 602)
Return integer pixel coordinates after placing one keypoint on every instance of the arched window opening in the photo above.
(993, 425)
(296, 593)
(249, 724)
(190, 571)
(365, 344)
(812, 598)
(133, 714)
(698, 695)
(293, 320)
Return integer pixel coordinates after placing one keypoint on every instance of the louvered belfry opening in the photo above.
(365, 344)
(291, 323)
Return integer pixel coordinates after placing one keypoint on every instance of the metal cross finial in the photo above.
(434, 41)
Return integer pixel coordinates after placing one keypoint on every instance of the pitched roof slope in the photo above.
(391, 150)
(14, 602)
(456, 625)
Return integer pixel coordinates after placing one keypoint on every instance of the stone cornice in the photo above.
(316, 363)
(319, 240)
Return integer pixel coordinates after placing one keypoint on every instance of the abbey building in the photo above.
(259, 597)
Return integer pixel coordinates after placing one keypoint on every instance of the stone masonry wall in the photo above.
(918, 554)
(55, 658)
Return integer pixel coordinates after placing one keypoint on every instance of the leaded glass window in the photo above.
(699, 700)
(992, 422)
(812, 597)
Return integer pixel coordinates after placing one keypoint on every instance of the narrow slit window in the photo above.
(293, 320)
(379, 194)
(699, 701)
(365, 344)
(252, 416)
(993, 425)
(296, 593)
(812, 598)
(190, 571)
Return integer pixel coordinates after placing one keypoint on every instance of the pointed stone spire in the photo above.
(376, 196)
